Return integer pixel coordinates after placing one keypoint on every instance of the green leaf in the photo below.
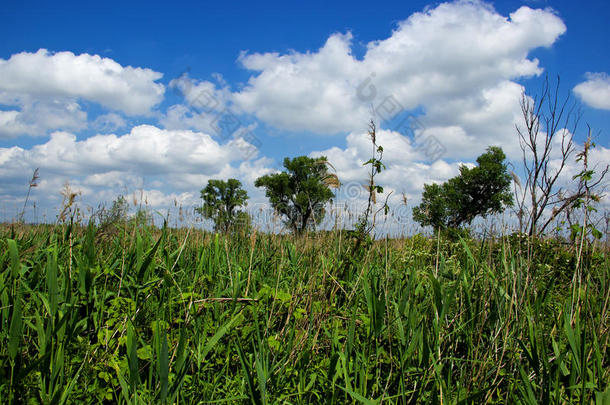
(132, 356)
(181, 367)
(246, 366)
(66, 393)
(149, 259)
(368, 162)
(15, 329)
(358, 397)
(52, 285)
(603, 398)
(124, 387)
(164, 367)
(569, 332)
(14, 255)
(220, 333)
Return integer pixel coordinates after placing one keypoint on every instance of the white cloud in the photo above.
(157, 198)
(456, 61)
(113, 179)
(90, 77)
(180, 116)
(205, 109)
(202, 94)
(312, 91)
(146, 149)
(595, 91)
(468, 124)
(36, 117)
(108, 122)
(43, 91)
(171, 162)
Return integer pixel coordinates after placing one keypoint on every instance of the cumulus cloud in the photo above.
(207, 107)
(312, 91)
(456, 62)
(202, 95)
(43, 90)
(180, 116)
(595, 91)
(37, 117)
(146, 149)
(108, 122)
(167, 164)
(90, 77)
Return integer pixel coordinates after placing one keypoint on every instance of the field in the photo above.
(147, 315)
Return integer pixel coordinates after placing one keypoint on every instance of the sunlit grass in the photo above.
(145, 315)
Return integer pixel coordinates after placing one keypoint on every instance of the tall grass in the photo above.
(183, 316)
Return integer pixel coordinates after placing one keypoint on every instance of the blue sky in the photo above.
(108, 95)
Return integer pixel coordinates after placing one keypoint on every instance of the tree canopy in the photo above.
(221, 203)
(478, 191)
(300, 192)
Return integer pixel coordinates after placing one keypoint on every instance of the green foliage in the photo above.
(142, 218)
(365, 224)
(299, 193)
(361, 235)
(587, 197)
(243, 222)
(116, 215)
(162, 316)
(221, 203)
(477, 191)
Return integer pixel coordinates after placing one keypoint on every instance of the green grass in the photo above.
(182, 316)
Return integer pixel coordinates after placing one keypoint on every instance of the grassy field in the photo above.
(144, 315)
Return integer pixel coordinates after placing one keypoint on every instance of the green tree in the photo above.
(300, 193)
(477, 191)
(221, 203)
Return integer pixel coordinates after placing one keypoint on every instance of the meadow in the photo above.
(138, 314)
